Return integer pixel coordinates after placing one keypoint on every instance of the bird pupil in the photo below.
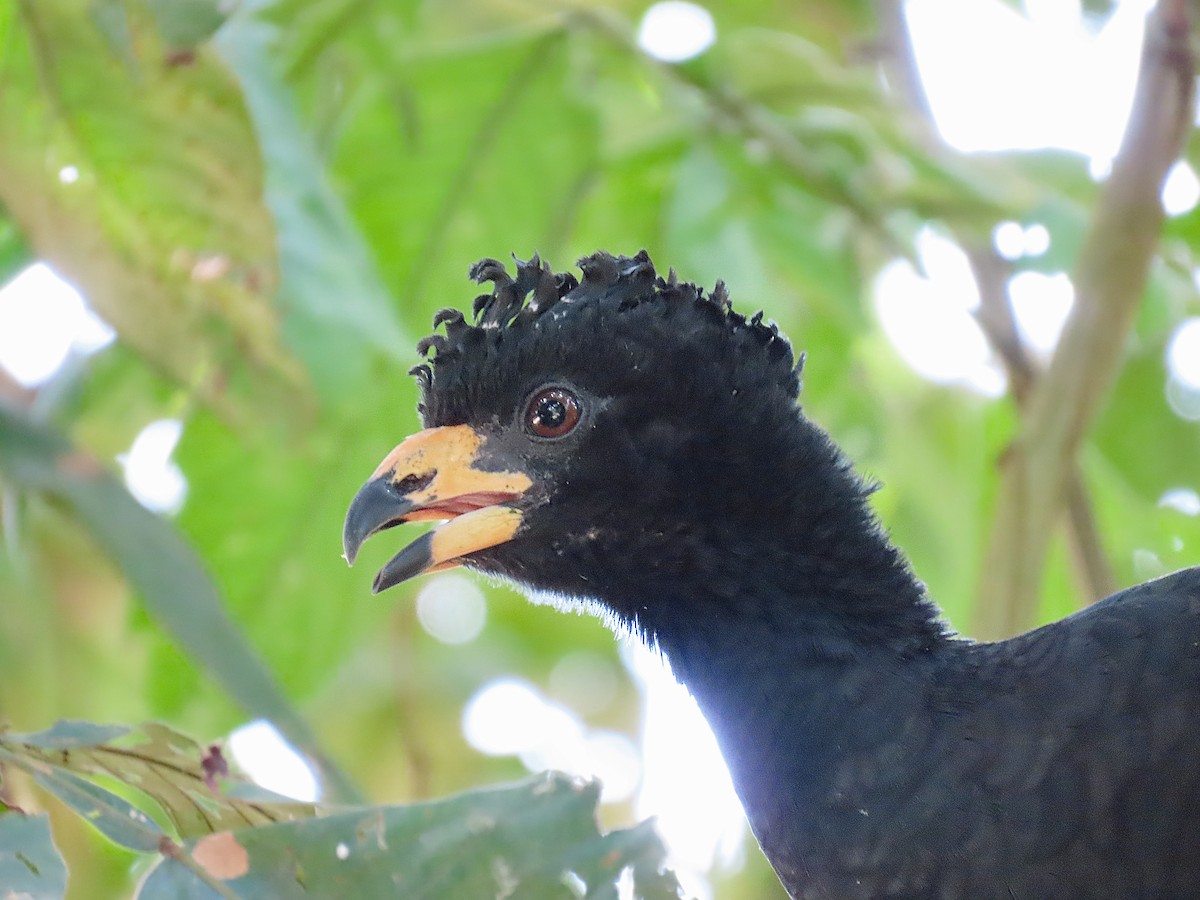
(553, 412)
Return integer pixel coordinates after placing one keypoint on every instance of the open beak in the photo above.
(435, 474)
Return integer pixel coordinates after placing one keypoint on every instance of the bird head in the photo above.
(588, 436)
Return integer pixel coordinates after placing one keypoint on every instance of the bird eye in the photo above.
(552, 413)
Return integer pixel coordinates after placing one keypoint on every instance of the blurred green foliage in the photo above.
(274, 197)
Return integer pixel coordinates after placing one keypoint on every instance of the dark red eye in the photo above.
(552, 413)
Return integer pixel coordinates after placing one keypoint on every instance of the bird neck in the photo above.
(798, 698)
(797, 657)
(811, 635)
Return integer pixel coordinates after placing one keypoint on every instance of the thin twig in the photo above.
(995, 317)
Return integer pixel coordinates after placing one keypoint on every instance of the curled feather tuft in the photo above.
(627, 280)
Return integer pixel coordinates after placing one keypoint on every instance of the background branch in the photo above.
(995, 316)
(1110, 277)
(1092, 566)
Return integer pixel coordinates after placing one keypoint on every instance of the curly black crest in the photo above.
(536, 289)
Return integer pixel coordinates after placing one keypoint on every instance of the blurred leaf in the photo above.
(536, 839)
(334, 303)
(778, 247)
(161, 224)
(1140, 450)
(782, 68)
(114, 817)
(191, 784)
(708, 231)
(480, 135)
(184, 24)
(937, 456)
(158, 564)
(280, 555)
(1163, 450)
(830, 131)
(68, 735)
(474, 108)
(30, 865)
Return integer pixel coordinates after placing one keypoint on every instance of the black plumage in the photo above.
(632, 443)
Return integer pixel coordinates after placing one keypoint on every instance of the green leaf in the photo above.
(489, 146)
(535, 839)
(114, 817)
(334, 302)
(64, 734)
(280, 555)
(159, 565)
(704, 227)
(190, 783)
(30, 866)
(186, 23)
(162, 224)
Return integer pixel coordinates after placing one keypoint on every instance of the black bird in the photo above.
(631, 444)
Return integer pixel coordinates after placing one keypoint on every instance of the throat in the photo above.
(793, 669)
(811, 655)
(804, 708)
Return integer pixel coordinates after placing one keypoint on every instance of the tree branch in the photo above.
(995, 315)
(1110, 276)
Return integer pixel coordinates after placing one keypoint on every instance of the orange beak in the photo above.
(436, 474)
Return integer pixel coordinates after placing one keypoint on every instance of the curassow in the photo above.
(631, 444)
